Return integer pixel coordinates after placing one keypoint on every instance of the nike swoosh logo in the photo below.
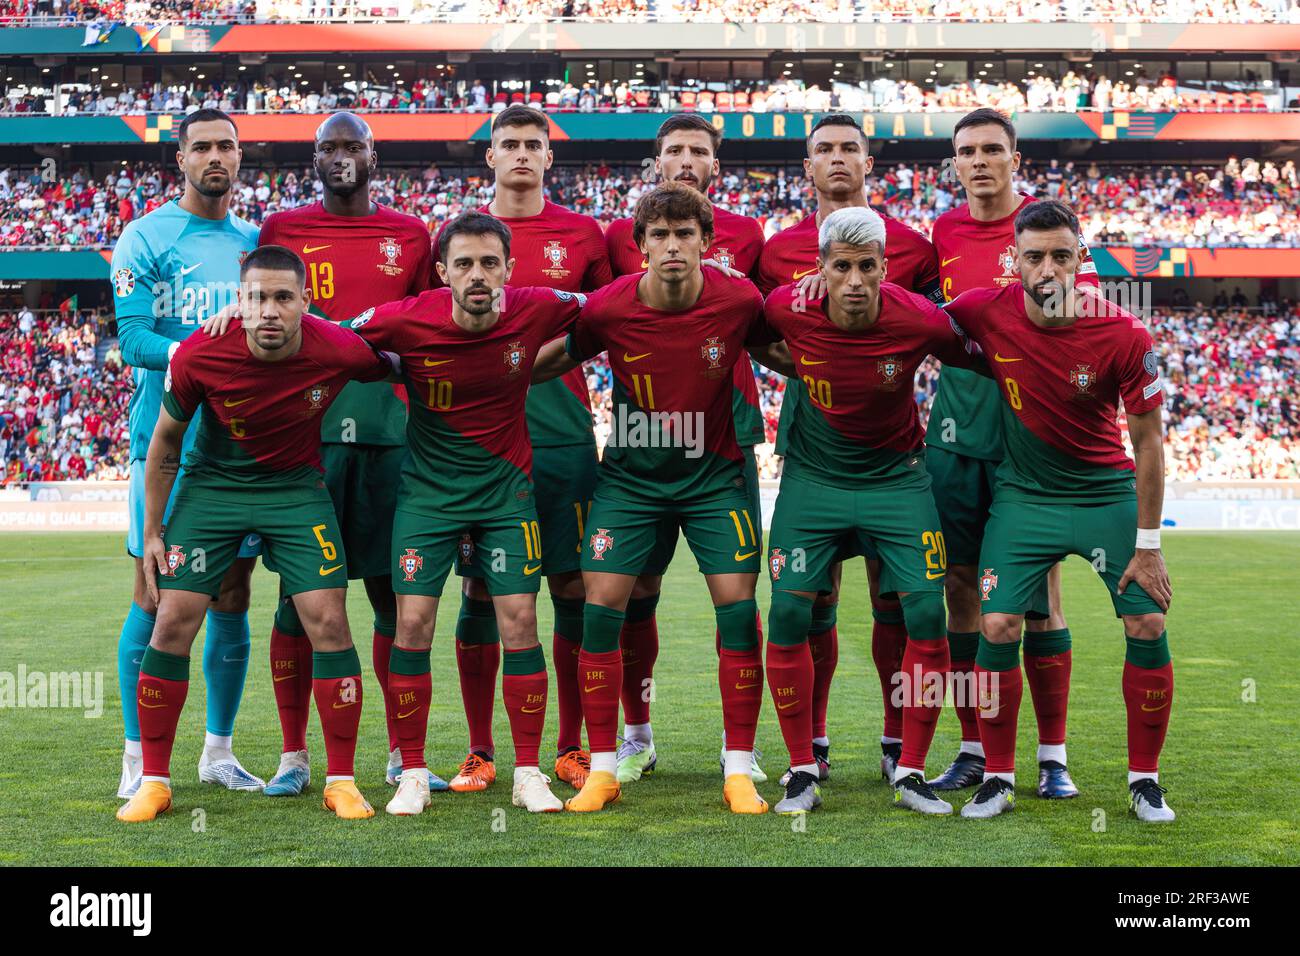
(324, 570)
(338, 706)
(137, 660)
(233, 660)
(645, 263)
(407, 714)
(308, 250)
(431, 363)
(465, 647)
(590, 689)
(800, 275)
(999, 358)
(946, 261)
(786, 706)
(1044, 665)
(525, 710)
(533, 570)
(636, 358)
(285, 677)
(156, 706)
(187, 270)
(931, 576)
(747, 554)
(1152, 710)
(229, 404)
(747, 686)
(804, 360)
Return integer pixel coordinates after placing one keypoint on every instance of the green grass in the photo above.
(1234, 619)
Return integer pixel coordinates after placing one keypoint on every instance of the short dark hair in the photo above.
(203, 116)
(1046, 214)
(690, 122)
(473, 223)
(674, 202)
(520, 115)
(279, 258)
(986, 116)
(836, 119)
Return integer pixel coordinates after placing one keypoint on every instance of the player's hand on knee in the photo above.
(153, 562)
(1147, 568)
(216, 325)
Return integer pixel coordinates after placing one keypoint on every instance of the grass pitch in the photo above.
(1233, 736)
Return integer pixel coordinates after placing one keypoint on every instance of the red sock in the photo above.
(929, 660)
(570, 700)
(291, 682)
(1148, 697)
(740, 678)
(1049, 688)
(601, 677)
(159, 702)
(338, 701)
(379, 653)
(790, 678)
(477, 665)
(524, 691)
(961, 674)
(639, 641)
(409, 696)
(997, 723)
(825, 649)
(888, 644)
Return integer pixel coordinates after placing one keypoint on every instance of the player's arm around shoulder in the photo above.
(766, 341)
(575, 313)
(949, 342)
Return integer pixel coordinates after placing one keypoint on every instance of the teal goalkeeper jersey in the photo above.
(171, 271)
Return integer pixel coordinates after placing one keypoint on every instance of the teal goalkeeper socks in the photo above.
(137, 630)
(225, 665)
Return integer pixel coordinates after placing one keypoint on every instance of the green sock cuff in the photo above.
(477, 622)
(386, 623)
(286, 619)
(738, 625)
(333, 664)
(157, 663)
(963, 645)
(527, 661)
(413, 663)
(568, 618)
(600, 628)
(1047, 643)
(782, 618)
(823, 618)
(1149, 655)
(890, 616)
(998, 657)
(642, 608)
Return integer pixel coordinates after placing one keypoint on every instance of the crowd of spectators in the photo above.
(63, 412)
(56, 12)
(1245, 202)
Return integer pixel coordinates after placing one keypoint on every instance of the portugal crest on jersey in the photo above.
(1081, 378)
(1008, 262)
(410, 562)
(175, 558)
(601, 542)
(889, 369)
(466, 549)
(316, 394)
(723, 257)
(123, 282)
(516, 352)
(555, 253)
(713, 351)
(776, 562)
(988, 581)
(390, 249)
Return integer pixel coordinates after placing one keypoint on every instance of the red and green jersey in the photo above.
(353, 263)
(1061, 389)
(468, 448)
(260, 421)
(737, 244)
(857, 423)
(673, 437)
(565, 250)
(976, 254)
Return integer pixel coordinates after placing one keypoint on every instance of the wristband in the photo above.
(1148, 539)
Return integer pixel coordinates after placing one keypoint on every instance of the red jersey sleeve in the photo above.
(182, 394)
(268, 235)
(599, 272)
(751, 301)
(435, 280)
(1140, 384)
(584, 339)
(356, 359)
(423, 276)
(947, 340)
(968, 311)
(388, 326)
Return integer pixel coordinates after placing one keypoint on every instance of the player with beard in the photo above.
(838, 165)
(976, 245)
(686, 149)
(358, 254)
(172, 269)
(565, 250)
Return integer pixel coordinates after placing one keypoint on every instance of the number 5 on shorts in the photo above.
(326, 547)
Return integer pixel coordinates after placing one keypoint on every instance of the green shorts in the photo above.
(623, 534)
(362, 480)
(661, 555)
(815, 524)
(505, 548)
(564, 483)
(1024, 539)
(299, 532)
(963, 492)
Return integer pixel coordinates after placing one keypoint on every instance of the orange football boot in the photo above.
(476, 773)
(572, 767)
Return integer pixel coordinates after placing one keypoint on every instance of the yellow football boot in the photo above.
(600, 790)
(739, 793)
(153, 797)
(343, 797)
